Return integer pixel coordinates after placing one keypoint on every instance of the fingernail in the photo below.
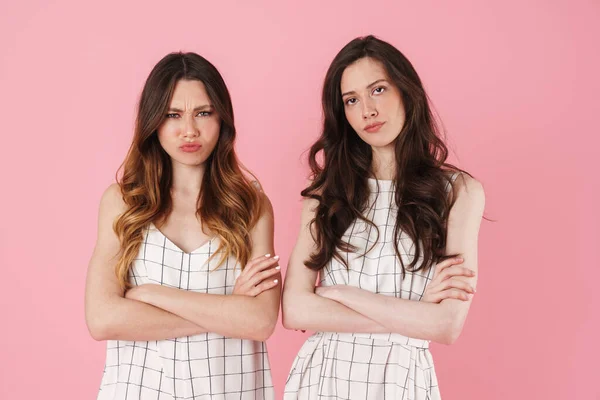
(276, 280)
(267, 255)
(276, 258)
(278, 267)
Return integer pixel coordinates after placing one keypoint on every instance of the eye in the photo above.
(172, 115)
(379, 90)
(205, 113)
(351, 101)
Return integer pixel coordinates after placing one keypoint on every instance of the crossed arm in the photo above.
(154, 312)
(440, 315)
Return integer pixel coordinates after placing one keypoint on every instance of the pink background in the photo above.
(515, 83)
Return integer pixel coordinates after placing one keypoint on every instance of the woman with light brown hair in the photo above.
(183, 283)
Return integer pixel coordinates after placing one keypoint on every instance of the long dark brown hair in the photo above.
(228, 204)
(340, 177)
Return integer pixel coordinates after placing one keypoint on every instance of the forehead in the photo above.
(361, 74)
(189, 92)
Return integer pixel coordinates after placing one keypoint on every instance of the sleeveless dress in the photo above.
(207, 366)
(332, 365)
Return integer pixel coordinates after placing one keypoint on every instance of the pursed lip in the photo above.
(374, 127)
(190, 147)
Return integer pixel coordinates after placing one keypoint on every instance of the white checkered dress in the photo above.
(334, 365)
(200, 367)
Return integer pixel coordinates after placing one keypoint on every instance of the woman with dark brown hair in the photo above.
(183, 283)
(389, 228)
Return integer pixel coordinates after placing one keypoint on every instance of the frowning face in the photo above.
(191, 127)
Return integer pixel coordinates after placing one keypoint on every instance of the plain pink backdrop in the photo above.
(515, 83)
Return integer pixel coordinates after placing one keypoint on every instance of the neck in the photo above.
(384, 162)
(187, 179)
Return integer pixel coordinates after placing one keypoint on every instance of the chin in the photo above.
(380, 142)
(191, 163)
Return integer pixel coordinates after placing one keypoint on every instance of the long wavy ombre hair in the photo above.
(228, 204)
(340, 176)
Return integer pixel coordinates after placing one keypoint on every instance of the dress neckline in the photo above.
(382, 184)
(204, 244)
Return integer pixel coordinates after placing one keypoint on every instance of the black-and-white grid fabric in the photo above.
(208, 366)
(361, 366)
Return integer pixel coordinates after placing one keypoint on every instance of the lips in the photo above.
(190, 148)
(372, 128)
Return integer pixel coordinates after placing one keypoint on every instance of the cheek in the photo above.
(168, 137)
(393, 107)
(209, 135)
(167, 131)
(354, 117)
(212, 130)
(162, 137)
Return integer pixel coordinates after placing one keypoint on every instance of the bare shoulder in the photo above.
(111, 207)
(266, 205)
(263, 231)
(309, 206)
(111, 203)
(266, 208)
(256, 184)
(469, 190)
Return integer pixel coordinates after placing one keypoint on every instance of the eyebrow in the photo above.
(204, 107)
(370, 85)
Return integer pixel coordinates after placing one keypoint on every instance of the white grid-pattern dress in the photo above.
(199, 367)
(333, 365)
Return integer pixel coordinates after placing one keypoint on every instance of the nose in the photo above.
(369, 109)
(190, 131)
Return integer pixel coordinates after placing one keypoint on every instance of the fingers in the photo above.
(259, 263)
(455, 270)
(441, 266)
(263, 286)
(450, 285)
(258, 277)
(456, 284)
(451, 294)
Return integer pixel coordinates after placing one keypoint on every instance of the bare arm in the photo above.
(108, 314)
(239, 316)
(441, 322)
(302, 308)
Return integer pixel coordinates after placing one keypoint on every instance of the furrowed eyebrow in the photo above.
(204, 107)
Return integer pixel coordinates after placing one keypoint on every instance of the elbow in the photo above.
(265, 332)
(264, 328)
(288, 321)
(262, 335)
(449, 337)
(100, 324)
(289, 316)
(102, 319)
(451, 331)
(98, 329)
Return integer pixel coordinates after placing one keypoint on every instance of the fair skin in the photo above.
(155, 312)
(371, 99)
